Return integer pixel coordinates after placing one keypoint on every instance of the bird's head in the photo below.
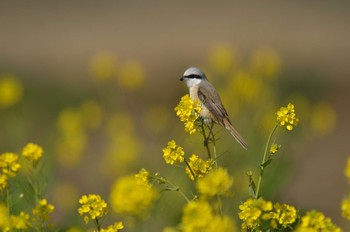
(193, 76)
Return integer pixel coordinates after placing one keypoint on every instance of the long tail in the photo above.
(235, 134)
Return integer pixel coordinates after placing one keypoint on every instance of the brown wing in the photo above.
(211, 100)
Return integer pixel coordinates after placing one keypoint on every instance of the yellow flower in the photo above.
(283, 215)
(345, 208)
(4, 217)
(9, 164)
(199, 167)
(103, 66)
(142, 177)
(316, 221)
(255, 212)
(32, 152)
(131, 196)
(196, 216)
(266, 62)
(3, 181)
(131, 75)
(222, 224)
(216, 182)
(250, 213)
(20, 222)
(222, 59)
(188, 110)
(274, 148)
(286, 117)
(117, 226)
(92, 207)
(11, 90)
(43, 209)
(173, 153)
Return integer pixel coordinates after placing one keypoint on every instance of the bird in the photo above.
(212, 109)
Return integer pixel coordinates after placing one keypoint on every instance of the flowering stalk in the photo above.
(264, 161)
(189, 167)
(169, 186)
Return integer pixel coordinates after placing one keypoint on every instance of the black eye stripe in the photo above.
(193, 76)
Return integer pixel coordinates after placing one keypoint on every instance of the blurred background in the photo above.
(96, 82)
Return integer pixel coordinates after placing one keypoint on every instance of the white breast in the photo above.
(194, 95)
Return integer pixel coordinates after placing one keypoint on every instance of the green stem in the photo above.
(263, 161)
(189, 167)
(206, 139)
(213, 140)
(98, 225)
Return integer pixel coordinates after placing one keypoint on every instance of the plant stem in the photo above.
(263, 161)
(189, 167)
(206, 139)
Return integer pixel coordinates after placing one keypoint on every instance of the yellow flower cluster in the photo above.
(316, 221)
(345, 208)
(256, 214)
(92, 207)
(188, 110)
(13, 222)
(173, 153)
(286, 117)
(9, 167)
(20, 222)
(43, 209)
(199, 167)
(32, 152)
(133, 194)
(216, 182)
(199, 216)
(117, 226)
(11, 90)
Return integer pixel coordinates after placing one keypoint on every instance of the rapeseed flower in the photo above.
(32, 152)
(43, 209)
(142, 177)
(274, 148)
(188, 110)
(3, 181)
(92, 207)
(9, 164)
(20, 222)
(286, 117)
(199, 167)
(132, 195)
(316, 221)
(117, 226)
(103, 66)
(11, 90)
(258, 214)
(251, 211)
(345, 208)
(4, 217)
(216, 182)
(173, 153)
(131, 75)
(196, 216)
(281, 216)
(222, 224)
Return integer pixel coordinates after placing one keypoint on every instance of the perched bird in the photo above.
(212, 109)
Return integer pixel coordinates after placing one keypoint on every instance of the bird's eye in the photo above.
(193, 76)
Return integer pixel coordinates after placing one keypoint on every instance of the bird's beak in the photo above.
(182, 78)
